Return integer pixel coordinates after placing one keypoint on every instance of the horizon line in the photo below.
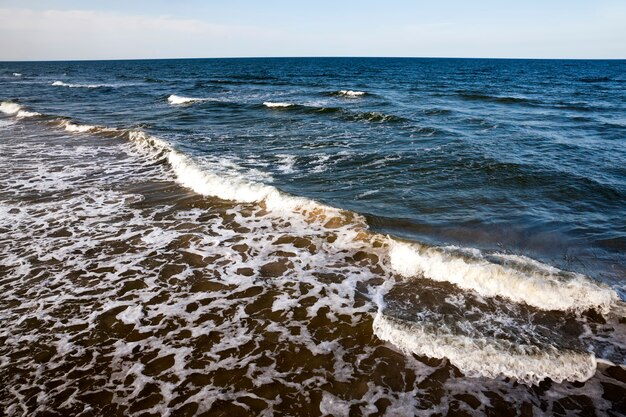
(309, 57)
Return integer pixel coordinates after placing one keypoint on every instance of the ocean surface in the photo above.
(324, 236)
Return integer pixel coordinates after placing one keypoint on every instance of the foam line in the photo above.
(517, 278)
(487, 357)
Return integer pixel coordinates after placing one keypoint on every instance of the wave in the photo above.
(11, 108)
(23, 113)
(232, 187)
(273, 104)
(372, 116)
(437, 111)
(179, 100)
(496, 99)
(514, 277)
(17, 74)
(595, 79)
(63, 84)
(348, 93)
(488, 357)
(8, 107)
(77, 128)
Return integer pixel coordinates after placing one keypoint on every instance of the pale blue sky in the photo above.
(65, 29)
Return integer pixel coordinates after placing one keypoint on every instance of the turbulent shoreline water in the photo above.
(228, 237)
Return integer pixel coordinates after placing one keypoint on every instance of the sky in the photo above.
(130, 29)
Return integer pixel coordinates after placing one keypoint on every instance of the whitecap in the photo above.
(178, 100)
(486, 357)
(63, 84)
(351, 93)
(273, 104)
(517, 278)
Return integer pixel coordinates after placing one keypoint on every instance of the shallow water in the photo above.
(312, 237)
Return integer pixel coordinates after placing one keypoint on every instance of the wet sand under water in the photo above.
(124, 293)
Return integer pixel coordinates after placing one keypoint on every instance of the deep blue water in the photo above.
(524, 156)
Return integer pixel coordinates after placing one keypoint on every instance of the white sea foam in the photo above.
(69, 85)
(17, 74)
(350, 93)
(273, 104)
(485, 357)
(178, 100)
(232, 187)
(77, 128)
(543, 287)
(23, 113)
(6, 123)
(286, 163)
(8, 107)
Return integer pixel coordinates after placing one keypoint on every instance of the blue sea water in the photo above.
(431, 228)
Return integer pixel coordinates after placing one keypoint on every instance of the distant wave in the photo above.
(63, 84)
(595, 79)
(437, 111)
(180, 100)
(495, 99)
(348, 93)
(372, 116)
(77, 128)
(272, 104)
(10, 108)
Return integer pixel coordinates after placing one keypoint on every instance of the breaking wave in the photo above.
(272, 104)
(178, 100)
(488, 356)
(10, 108)
(517, 278)
(349, 93)
(69, 85)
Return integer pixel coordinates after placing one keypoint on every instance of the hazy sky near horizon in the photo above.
(121, 29)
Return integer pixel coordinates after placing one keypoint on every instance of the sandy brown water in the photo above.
(124, 293)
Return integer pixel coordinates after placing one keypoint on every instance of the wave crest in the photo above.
(10, 108)
(63, 84)
(484, 357)
(517, 278)
(272, 104)
(178, 100)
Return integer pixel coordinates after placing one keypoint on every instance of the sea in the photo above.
(313, 237)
